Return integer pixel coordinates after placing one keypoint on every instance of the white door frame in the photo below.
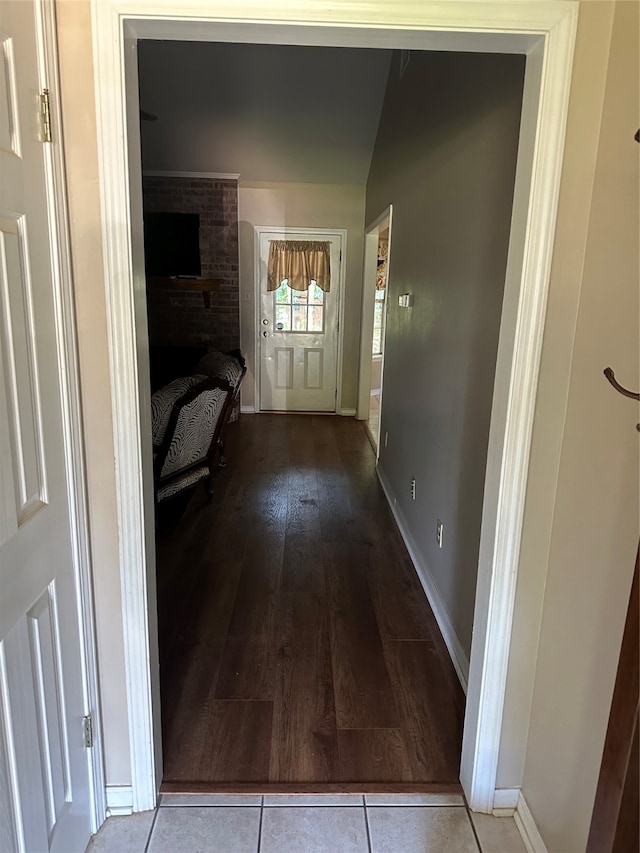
(326, 232)
(66, 342)
(545, 30)
(371, 234)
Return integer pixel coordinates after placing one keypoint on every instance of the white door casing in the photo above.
(545, 31)
(48, 777)
(371, 237)
(298, 368)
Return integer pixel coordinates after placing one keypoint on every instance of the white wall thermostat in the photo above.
(405, 300)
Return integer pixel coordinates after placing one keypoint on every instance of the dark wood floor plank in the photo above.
(223, 536)
(337, 521)
(236, 742)
(247, 669)
(303, 513)
(190, 665)
(302, 569)
(363, 693)
(326, 455)
(402, 610)
(183, 541)
(304, 742)
(377, 755)
(259, 586)
(431, 719)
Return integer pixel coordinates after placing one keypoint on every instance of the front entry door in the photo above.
(298, 333)
(45, 793)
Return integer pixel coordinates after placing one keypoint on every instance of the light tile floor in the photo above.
(379, 823)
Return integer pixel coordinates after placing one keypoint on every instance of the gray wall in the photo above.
(280, 113)
(445, 158)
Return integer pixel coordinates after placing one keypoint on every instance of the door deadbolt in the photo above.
(265, 322)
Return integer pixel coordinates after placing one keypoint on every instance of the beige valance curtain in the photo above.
(300, 262)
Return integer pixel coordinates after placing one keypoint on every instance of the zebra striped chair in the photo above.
(188, 415)
(231, 368)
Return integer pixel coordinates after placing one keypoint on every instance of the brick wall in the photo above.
(178, 317)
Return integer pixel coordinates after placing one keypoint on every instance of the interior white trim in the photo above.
(371, 232)
(527, 828)
(119, 800)
(537, 185)
(347, 413)
(220, 176)
(73, 433)
(456, 652)
(284, 229)
(505, 801)
(115, 196)
(545, 30)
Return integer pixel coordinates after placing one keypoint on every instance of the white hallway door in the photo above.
(45, 795)
(298, 332)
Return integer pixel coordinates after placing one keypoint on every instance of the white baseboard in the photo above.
(505, 801)
(347, 413)
(458, 656)
(119, 800)
(527, 828)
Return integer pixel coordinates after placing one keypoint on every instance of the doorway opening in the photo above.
(377, 348)
(377, 262)
(308, 639)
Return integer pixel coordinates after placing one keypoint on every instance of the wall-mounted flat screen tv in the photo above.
(172, 244)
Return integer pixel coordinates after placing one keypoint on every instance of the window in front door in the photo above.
(299, 310)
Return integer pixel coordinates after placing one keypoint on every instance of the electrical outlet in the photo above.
(413, 488)
(386, 438)
(439, 527)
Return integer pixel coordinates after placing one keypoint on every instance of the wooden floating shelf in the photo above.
(204, 285)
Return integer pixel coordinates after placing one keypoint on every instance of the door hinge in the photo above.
(87, 731)
(45, 116)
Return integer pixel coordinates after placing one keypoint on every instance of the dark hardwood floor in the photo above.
(297, 648)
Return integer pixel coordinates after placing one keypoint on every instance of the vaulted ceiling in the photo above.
(268, 112)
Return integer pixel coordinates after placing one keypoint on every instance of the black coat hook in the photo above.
(633, 395)
(608, 372)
